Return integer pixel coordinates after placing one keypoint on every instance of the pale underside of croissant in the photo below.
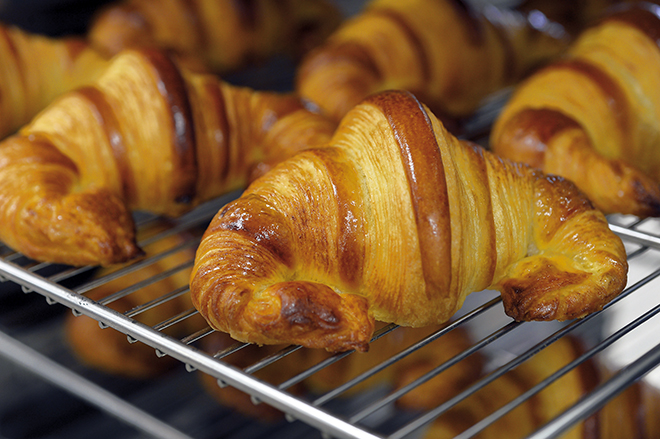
(223, 35)
(145, 136)
(35, 69)
(396, 220)
(448, 54)
(594, 116)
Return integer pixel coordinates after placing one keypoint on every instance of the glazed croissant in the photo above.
(36, 69)
(594, 116)
(145, 136)
(448, 54)
(397, 220)
(221, 34)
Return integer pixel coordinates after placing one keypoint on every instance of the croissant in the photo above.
(223, 35)
(396, 220)
(219, 35)
(145, 136)
(593, 116)
(450, 55)
(36, 69)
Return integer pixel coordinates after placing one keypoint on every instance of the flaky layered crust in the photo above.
(397, 220)
(450, 55)
(593, 117)
(221, 35)
(147, 135)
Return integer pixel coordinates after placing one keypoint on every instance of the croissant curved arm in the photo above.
(396, 220)
(593, 116)
(147, 135)
(43, 210)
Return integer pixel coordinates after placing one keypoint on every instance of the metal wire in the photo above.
(15, 269)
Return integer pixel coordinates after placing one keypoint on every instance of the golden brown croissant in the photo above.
(449, 55)
(36, 69)
(396, 220)
(144, 136)
(223, 34)
(594, 116)
(108, 350)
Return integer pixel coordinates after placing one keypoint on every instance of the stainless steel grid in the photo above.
(506, 344)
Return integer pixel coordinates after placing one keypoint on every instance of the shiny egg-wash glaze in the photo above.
(146, 135)
(396, 220)
(594, 116)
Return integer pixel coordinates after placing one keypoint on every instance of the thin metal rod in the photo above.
(144, 283)
(596, 399)
(481, 425)
(430, 415)
(636, 236)
(132, 267)
(198, 335)
(404, 353)
(173, 320)
(75, 384)
(158, 301)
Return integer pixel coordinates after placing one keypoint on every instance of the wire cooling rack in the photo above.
(618, 339)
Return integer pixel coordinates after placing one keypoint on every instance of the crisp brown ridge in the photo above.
(174, 91)
(424, 169)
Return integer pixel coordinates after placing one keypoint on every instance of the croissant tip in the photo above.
(114, 254)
